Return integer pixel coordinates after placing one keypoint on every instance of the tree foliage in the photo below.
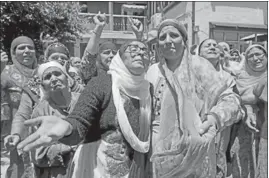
(58, 19)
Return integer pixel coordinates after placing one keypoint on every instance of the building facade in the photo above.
(224, 21)
(117, 28)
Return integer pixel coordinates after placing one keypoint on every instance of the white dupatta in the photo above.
(135, 87)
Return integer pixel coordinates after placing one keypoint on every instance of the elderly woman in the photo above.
(114, 111)
(250, 147)
(52, 161)
(191, 103)
(14, 78)
(58, 52)
(55, 52)
(209, 50)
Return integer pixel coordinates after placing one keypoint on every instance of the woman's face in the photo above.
(25, 54)
(257, 59)
(235, 57)
(226, 50)
(210, 51)
(106, 56)
(76, 62)
(136, 58)
(171, 43)
(60, 57)
(54, 80)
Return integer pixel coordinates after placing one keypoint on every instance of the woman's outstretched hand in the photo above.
(51, 129)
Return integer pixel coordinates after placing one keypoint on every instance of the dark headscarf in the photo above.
(56, 48)
(107, 45)
(178, 25)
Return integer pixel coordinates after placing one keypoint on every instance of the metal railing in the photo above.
(114, 22)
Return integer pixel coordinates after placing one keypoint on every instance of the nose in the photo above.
(168, 39)
(111, 54)
(256, 59)
(212, 47)
(53, 78)
(26, 49)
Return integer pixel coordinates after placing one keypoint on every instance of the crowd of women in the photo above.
(198, 112)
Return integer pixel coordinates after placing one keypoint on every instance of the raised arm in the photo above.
(88, 62)
(137, 28)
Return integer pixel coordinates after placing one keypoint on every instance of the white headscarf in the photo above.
(41, 69)
(135, 87)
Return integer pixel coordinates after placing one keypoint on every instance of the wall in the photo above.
(228, 12)
(182, 12)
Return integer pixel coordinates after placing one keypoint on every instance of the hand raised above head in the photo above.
(100, 19)
(136, 25)
(51, 129)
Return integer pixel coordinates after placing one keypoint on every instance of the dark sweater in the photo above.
(94, 114)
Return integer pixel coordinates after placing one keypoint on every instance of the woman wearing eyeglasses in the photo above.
(113, 113)
(251, 145)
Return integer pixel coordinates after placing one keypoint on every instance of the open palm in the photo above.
(51, 129)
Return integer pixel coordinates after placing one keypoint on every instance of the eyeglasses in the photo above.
(258, 55)
(107, 52)
(136, 50)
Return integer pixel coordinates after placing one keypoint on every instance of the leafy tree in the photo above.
(58, 19)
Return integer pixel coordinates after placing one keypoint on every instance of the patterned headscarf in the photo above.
(26, 71)
(56, 48)
(177, 25)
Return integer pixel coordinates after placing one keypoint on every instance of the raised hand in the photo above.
(136, 25)
(4, 57)
(100, 19)
(11, 141)
(51, 129)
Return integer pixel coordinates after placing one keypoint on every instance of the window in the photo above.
(218, 36)
(231, 36)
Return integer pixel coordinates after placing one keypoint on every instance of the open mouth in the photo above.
(57, 85)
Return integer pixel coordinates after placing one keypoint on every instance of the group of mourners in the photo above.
(113, 115)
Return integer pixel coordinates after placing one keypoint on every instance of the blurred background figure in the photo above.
(75, 62)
